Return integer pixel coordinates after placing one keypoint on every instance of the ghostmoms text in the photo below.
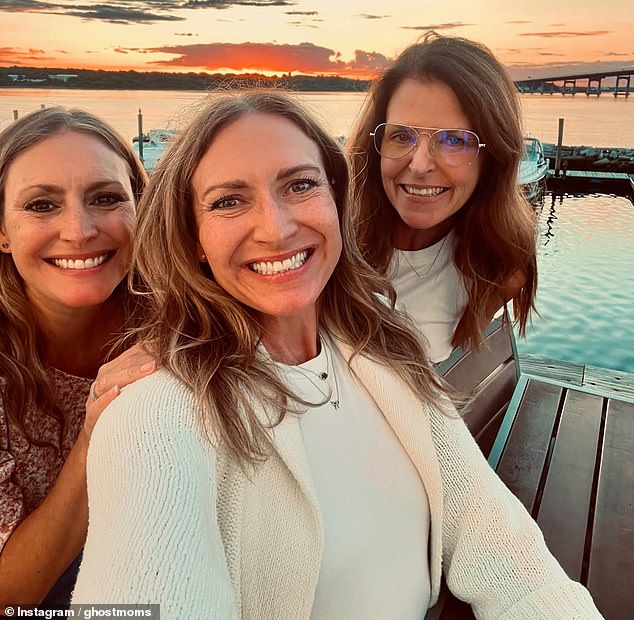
(85, 612)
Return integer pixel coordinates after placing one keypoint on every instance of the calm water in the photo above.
(603, 121)
(586, 282)
(586, 249)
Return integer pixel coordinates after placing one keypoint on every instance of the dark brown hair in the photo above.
(495, 231)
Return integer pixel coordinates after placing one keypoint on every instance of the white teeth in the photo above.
(89, 263)
(267, 268)
(423, 191)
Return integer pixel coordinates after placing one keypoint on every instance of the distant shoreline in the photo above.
(86, 79)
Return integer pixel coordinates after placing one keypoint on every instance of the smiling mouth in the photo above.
(78, 263)
(423, 191)
(272, 268)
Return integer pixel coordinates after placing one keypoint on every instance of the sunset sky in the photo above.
(353, 38)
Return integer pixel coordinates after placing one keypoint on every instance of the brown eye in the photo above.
(106, 200)
(40, 205)
(302, 185)
(226, 202)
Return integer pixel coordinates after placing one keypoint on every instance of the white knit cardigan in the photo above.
(176, 522)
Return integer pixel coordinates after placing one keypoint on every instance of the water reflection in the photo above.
(547, 229)
(586, 285)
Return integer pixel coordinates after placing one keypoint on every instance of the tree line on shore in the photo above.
(28, 77)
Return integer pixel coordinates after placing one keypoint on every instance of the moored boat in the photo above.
(533, 167)
(154, 144)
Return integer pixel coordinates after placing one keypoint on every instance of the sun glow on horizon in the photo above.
(354, 40)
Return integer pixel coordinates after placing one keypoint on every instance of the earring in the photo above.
(203, 258)
(5, 245)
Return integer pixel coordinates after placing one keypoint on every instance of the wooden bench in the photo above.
(490, 375)
(566, 450)
(568, 455)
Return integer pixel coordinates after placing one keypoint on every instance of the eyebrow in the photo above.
(58, 189)
(282, 174)
(288, 172)
(432, 129)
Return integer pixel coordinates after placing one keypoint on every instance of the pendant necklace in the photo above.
(322, 377)
(418, 273)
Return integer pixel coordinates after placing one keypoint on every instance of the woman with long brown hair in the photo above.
(296, 456)
(69, 185)
(434, 156)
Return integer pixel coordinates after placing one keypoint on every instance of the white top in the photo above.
(429, 287)
(373, 504)
(175, 520)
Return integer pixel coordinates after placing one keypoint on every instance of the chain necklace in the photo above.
(418, 273)
(323, 377)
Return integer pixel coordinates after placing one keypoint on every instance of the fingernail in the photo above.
(148, 366)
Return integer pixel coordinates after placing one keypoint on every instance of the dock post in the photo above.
(140, 133)
(15, 115)
(560, 137)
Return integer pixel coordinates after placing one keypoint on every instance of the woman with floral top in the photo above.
(69, 185)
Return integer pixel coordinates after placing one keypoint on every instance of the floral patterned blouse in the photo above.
(28, 472)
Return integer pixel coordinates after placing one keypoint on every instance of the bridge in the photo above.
(588, 83)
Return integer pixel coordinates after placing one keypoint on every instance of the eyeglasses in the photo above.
(454, 147)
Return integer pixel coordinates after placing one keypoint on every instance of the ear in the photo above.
(5, 246)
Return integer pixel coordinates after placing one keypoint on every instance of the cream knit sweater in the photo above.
(174, 521)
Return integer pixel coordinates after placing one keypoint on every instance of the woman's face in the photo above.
(266, 216)
(424, 190)
(68, 221)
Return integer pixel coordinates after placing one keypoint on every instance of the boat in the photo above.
(155, 143)
(533, 167)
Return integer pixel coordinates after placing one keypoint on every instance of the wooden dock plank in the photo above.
(528, 443)
(602, 381)
(612, 383)
(611, 564)
(540, 366)
(567, 493)
(589, 181)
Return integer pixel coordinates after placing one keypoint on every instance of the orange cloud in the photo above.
(14, 56)
(271, 57)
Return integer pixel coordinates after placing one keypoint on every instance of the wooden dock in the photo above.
(565, 448)
(620, 183)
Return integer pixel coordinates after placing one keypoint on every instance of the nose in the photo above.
(78, 223)
(275, 222)
(422, 158)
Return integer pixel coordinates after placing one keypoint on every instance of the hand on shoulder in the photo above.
(131, 365)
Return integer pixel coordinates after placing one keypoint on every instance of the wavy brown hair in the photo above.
(26, 382)
(495, 231)
(207, 338)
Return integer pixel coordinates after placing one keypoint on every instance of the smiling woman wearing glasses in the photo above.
(434, 156)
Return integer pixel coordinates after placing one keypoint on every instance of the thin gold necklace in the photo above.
(418, 273)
